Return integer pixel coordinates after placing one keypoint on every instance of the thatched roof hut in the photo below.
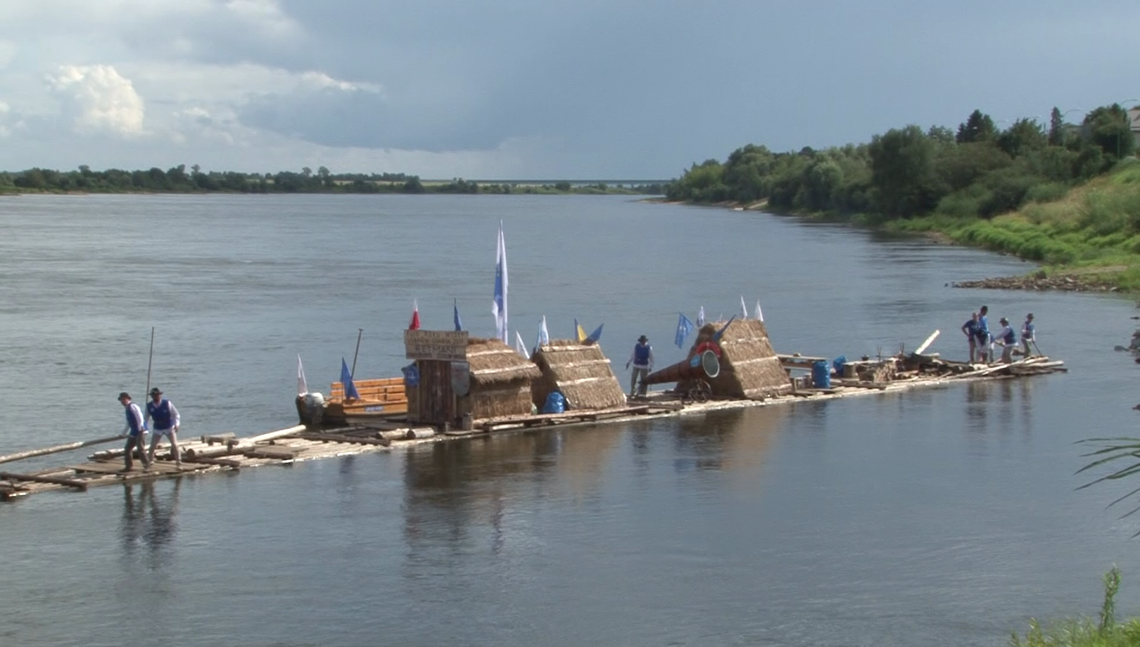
(749, 367)
(581, 372)
(495, 382)
(500, 381)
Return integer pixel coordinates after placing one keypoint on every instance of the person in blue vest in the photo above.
(164, 422)
(642, 360)
(970, 329)
(1027, 334)
(1008, 341)
(135, 432)
(985, 341)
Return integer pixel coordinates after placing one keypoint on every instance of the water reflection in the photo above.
(1000, 407)
(149, 521)
(727, 440)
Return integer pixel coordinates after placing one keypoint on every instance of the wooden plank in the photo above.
(221, 462)
(100, 467)
(928, 342)
(277, 453)
(73, 483)
(342, 438)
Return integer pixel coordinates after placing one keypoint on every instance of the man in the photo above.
(985, 341)
(135, 432)
(970, 329)
(642, 360)
(1007, 340)
(1027, 332)
(164, 422)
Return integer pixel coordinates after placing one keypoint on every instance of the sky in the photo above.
(529, 89)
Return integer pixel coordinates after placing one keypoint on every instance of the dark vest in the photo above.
(160, 414)
(641, 355)
(1009, 336)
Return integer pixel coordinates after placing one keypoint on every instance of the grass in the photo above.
(1092, 230)
(1084, 632)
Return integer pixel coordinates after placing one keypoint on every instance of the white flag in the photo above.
(743, 308)
(520, 346)
(759, 312)
(302, 386)
(499, 305)
(701, 317)
(543, 334)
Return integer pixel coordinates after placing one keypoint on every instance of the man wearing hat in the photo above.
(1007, 340)
(642, 360)
(135, 431)
(164, 422)
(1027, 332)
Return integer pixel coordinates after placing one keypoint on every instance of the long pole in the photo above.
(58, 448)
(149, 360)
(359, 334)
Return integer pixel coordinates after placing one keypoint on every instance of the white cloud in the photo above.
(8, 51)
(99, 100)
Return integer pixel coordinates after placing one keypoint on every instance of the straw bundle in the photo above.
(749, 367)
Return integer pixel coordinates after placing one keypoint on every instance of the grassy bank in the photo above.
(1091, 231)
(1083, 632)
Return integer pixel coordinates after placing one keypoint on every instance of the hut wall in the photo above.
(581, 373)
(497, 401)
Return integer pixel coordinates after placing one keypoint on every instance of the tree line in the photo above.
(179, 180)
(977, 171)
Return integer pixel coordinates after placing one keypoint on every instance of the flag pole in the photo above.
(150, 359)
(359, 334)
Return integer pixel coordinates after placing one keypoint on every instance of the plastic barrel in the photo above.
(821, 374)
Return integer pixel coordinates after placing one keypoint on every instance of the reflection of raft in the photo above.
(379, 398)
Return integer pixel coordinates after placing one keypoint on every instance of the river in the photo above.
(947, 515)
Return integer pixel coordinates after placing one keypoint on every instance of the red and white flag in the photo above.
(415, 323)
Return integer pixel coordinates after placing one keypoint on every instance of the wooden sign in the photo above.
(442, 345)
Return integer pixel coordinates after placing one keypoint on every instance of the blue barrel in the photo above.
(821, 374)
(555, 403)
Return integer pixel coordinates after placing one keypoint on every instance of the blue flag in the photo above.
(346, 379)
(499, 303)
(594, 336)
(720, 333)
(684, 327)
(458, 321)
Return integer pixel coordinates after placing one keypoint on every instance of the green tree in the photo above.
(978, 127)
(1023, 136)
(1108, 128)
(1056, 128)
(902, 172)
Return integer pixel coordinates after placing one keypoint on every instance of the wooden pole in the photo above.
(359, 334)
(149, 359)
(58, 448)
(928, 342)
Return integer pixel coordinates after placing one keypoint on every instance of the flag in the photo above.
(594, 336)
(520, 346)
(579, 332)
(759, 312)
(346, 380)
(701, 317)
(302, 386)
(499, 305)
(543, 334)
(684, 327)
(415, 323)
(720, 333)
(743, 308)
(458, 321)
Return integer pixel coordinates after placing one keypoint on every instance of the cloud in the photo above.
(97, 100)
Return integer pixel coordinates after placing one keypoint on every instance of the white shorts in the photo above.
(159, 433)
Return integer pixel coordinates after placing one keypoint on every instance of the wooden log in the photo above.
(74, 483)
(221, 462)
(222, 439)
(280, 433)
(57, 448)
(343, 438)
(928, 342)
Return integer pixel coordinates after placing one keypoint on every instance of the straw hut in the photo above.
(749, 367)
(581, 372)
(495, 382)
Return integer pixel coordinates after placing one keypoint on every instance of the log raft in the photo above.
(228, 452)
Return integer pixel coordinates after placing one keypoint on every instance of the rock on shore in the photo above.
(1038, 281)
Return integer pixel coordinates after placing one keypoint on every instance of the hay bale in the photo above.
(500, 381)
(582, 373)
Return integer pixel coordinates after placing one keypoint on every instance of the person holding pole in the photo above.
(642, 360)
(1027, 334)
(164, 422)
(1007, 340)
(135, 432)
